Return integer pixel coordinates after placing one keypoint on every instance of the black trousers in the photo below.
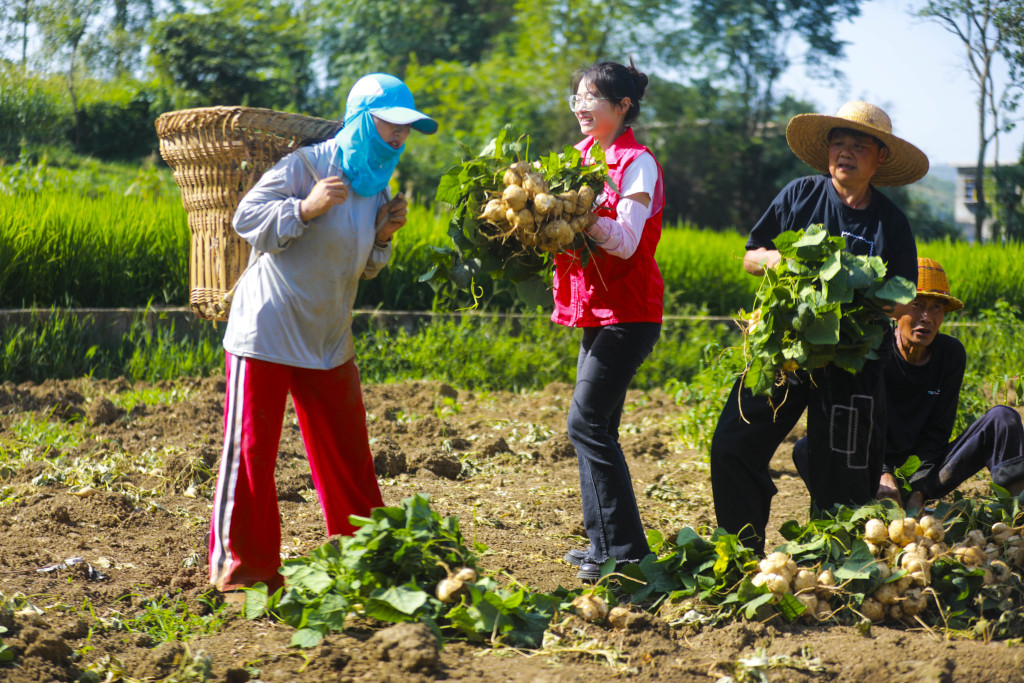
(995, 440)
(609, 357)
(846, 434)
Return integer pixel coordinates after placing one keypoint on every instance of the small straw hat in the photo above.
(807, 135)
(932, 281)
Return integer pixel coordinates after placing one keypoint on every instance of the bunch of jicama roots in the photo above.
(511, 214)
(906, 556)
(914, 546)
(529, 213)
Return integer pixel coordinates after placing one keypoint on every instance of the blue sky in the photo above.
(916, 71)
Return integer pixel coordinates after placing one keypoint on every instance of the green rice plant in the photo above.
(58, 172)
(704, 268)
(980, 275)
(397, 287)
(161, 353)
(109, 251)
(994, 343)
(74, 231)
(681, 350)
(62, 345)
(475, 351)
(59, 346)
(523, 353)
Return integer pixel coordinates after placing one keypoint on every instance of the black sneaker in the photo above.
(589, 571)
(575, 557)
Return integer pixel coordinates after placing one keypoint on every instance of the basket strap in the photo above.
(309, 165)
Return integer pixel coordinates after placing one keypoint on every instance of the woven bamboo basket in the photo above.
(218, 154)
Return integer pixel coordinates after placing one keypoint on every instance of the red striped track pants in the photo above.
(245, 535)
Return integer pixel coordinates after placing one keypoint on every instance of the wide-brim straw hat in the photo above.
(932, 281)
(807, 135)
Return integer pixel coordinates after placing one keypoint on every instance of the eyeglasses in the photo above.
(584, 102)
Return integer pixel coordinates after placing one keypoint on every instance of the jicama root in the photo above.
(527, 211)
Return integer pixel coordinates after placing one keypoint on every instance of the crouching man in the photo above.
(922, 389)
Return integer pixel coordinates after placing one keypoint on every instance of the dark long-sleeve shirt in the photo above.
(922, 402)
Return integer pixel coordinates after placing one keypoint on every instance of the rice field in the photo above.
(78, 251)
(60, 248)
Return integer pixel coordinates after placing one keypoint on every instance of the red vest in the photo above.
(611, 289)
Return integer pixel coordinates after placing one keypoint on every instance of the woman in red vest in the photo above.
(617, 300)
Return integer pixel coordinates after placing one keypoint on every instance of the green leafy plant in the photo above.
(511, 235)
(690, 566)
(391, 570)
(821, 305)
(399, 567)
(970, 580)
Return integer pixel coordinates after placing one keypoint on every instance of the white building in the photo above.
(967, 201)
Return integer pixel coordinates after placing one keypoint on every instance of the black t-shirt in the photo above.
(880, 229)
(922, 401)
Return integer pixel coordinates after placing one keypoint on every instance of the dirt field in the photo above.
(499, 462)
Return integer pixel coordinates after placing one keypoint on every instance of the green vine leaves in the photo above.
(820, 305)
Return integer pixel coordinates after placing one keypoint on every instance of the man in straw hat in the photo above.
(854, 150)
(922, 385)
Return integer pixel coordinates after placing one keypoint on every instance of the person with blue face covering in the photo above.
(319, 221)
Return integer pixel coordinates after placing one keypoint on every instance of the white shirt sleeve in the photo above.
(621, 236)
(640, 177)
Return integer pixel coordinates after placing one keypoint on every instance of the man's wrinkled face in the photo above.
(919, 321)
(853, 156)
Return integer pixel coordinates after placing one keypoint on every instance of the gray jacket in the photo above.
(294, 303)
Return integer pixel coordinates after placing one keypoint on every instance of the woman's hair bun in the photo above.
(639, 78)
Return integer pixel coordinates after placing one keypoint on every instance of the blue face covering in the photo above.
(367, 160)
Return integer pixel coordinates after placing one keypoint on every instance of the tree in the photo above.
(364, 36)
(929, 219)
(745, 45)
(234, 53)
(1009, 186)
(126, 37)
(16, 16)
(983, 28)
(360, 36)
(64, 25)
